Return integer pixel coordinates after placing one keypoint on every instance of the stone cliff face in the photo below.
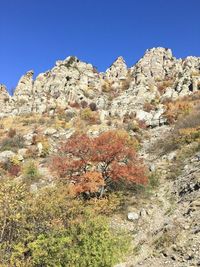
(119, 91)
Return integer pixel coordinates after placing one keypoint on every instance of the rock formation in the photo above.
(119, 91)
(163, 217)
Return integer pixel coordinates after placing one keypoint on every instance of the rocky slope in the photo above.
(166, 231)
(120, 91)
(73, 96)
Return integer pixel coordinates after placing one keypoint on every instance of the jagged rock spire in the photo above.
(118, 70)
(4, 96)
(25, 84)
(155, 63)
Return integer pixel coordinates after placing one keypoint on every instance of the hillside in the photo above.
(102, 168)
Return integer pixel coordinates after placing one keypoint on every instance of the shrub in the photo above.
(30, 172)
(148, 107)
(60, 113)
(162, 86)
(106, 87)
(69, 115)
(182, 107)
(125, 84)
(185, 131)
(93, 106)
(14, 170)
(74, 105)
(190, 121)
(12, 167)
(84, 104)
(176, 109)
(130, 141)
(89, 116)
(11, 133)
(108, 204)
(12, 207)
(52, 228)
(96, 164)
(45, 146)
(153, 180)
(12, 143)
(31, 152)
(89, 243)
(188, 135)
(45, 149)
(133, 126)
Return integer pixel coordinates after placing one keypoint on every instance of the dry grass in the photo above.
(163, 85)
(190, 121)
(148, 107)
(181, 107)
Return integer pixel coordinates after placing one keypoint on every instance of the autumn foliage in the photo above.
(94, 165)
(176, 109)
(180, 108)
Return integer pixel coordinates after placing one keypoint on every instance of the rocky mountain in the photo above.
(119, 91)
(161, 217)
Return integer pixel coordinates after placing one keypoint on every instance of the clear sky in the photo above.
(34, 34)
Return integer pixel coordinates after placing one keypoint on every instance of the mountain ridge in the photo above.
(156, 77)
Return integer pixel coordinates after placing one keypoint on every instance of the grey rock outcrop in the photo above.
(23, 95)
(4, 101)
(4, 96)
(117, 71)
(6, 155)
(157, 76)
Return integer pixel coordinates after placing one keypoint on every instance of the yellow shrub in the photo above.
(107, 205)
(106, 87)
(189, 135)
(15, 160)
(45, 149)
(131, 141)
(176, 109)
(91, 117)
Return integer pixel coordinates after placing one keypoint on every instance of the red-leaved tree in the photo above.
(94, 165)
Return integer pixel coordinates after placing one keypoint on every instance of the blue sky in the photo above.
(34, 34)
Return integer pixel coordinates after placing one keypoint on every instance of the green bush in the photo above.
(52, 228)
(153, 180)
(90, 243)
(30, 171)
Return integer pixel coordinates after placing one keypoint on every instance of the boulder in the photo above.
(6, 155)
(50, 131)
(144, 116)
(132, 216)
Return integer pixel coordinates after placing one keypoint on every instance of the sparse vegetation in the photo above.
(89, 116)
(148, 107)
(30, 172)
(163, 85)
(12, 143)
